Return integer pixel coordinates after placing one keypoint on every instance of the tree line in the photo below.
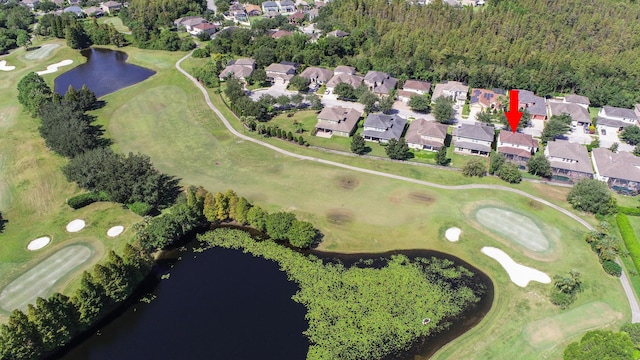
(78, 33)
(15, 21)
(200, 208)
(51, 323)
(69, 131)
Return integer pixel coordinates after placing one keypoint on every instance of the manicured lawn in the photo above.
(116, 22)
(166, 117)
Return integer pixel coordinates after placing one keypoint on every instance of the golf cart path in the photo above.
(633, 302)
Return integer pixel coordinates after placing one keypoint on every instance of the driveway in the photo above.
(275, 91)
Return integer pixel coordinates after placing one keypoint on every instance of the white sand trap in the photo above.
(54, 67)
(76, 225)
(41, 52)
(453, 234)
(115, 231)
(39, 243)
(5, 67)
(519, 274)
(515, 227)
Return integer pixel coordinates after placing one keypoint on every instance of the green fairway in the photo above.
(167, 118)
(116, 22)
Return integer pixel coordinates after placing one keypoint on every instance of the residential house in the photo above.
(296, 18)
(240, 69)
(187, 23)
(342, 69)
(76, 10)
(380, 83)
(569, 161)
(270, 6)
(452, 89)
(240, 15)
(340, 77)
(287, 6)
(516, 147)
(413, 87)
(614, 119)
(302, 6)
(620, 171)
(236, 6)
(281, 33)
(253, 10)
(319, 4)
(485, 100)
(280, 73)
(577, 99)
(94, 11)
(473, 139)
(206, 27)
(31, 4)
(534, 105)
(426, 135)
(313, 13)
(382, 128)
(579, 114)
(337, 120)
(317, 75)
(111, 7)
(270, 14)
(338, 33)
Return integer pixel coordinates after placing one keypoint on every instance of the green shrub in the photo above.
(83, 200)
(629, 237)
(612, 268)
(563, 300)
(631, 211)
(140, 208)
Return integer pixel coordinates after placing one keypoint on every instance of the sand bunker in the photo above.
(5, 67)
(515, 227)
(519, 274)
(115, 231)
(453, 234)
(40, 53)
(39, 243)
(76, 225)
(54, 67)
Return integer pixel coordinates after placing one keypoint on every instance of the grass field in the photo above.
(116, 22)
(167, 118)
(33, 190)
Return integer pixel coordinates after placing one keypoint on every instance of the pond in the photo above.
(224, 304)
(105, 71)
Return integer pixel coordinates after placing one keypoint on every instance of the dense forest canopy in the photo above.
(590, 47)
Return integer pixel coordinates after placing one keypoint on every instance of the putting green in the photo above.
(41, 52)
(515, 227)
(39, 280)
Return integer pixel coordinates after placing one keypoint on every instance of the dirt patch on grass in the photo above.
(421, 197)
(545, 333)
(348, 182)
(339, 216)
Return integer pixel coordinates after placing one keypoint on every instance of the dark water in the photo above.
(224, 304)
(105, 71)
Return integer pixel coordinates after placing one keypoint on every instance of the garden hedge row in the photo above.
(631, 211)
(82, 200)
(630, 239)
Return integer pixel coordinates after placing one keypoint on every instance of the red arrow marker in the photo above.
(513, 115)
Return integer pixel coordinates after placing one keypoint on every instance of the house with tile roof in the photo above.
(280, 73)
(76, 10)
(484, 99)
(579, 114)
(317, 75)
(426, 135)
(342, 69)
(413, 87)
(94, 11)
(336, 120)
(451, 89)
(188, 22)
(240, 69)
(277, 34)
(577, 99)
(621, 171)
(380, 83)
(287, 6)
(205, 27)
(270, 6)
(111, 7)
(475, 139)
(516, 147)
(338, 78)
(253, 10)
(382, 128)
(569, 161)
(613, 119)
(536, 106)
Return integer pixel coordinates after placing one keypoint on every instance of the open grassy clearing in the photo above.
(116, 22)
(33, 190)
(166, 118)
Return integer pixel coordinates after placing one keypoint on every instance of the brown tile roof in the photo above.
(577, 99)
(565, 150)
(252, 7)
(622, 165)
(509, 137)
(344, 70)
(280, 33)
(417, 85)
(577, 112)
(321, 74)
(421, 127)
(338, 119)
(514, 151)
(475, 131)
(353, 80)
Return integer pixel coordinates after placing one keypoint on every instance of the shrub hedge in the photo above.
(612, 268)
(631, 211)
(630, 239)
(140, 208)
(82, 200)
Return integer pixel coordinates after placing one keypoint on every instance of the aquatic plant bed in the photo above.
(363, 312)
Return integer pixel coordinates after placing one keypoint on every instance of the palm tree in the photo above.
(607, 248)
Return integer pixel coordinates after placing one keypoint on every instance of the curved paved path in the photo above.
(633, 303)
